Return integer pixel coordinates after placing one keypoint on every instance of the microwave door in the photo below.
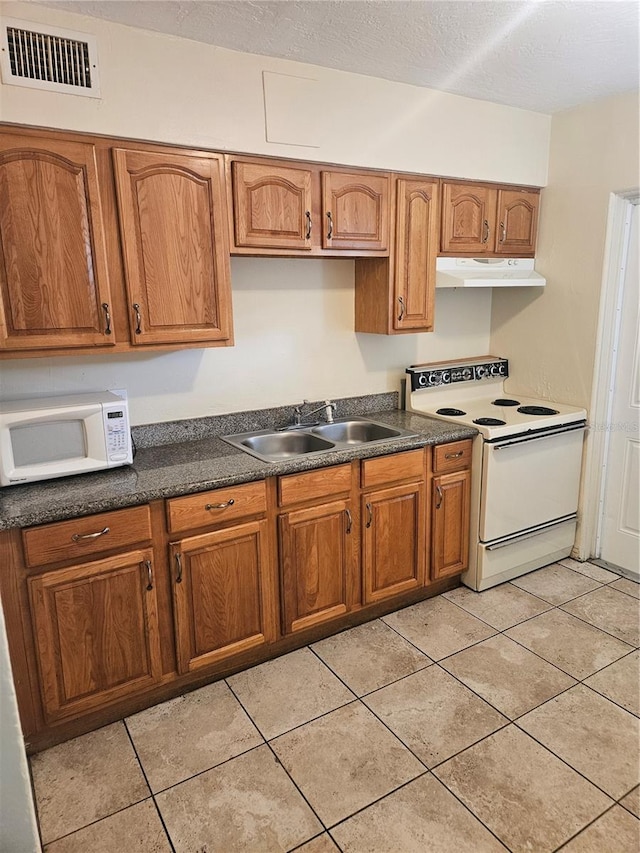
(52, 443)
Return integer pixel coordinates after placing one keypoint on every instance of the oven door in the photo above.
(529, 480)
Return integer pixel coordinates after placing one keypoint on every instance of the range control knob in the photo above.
(496, 369)
(446, 377)
(435, 378)
(467, 373)
(481, 371)
(422, 379)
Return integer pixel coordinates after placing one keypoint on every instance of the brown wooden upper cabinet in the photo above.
(288, 208)
(174, 244)
(54, 283)
(484, 219)
(396, 294)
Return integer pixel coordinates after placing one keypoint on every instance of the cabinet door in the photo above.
(356, 211)
(394, 527)
(416, 249)
(317, 557)
(450, 523)
(222, 594)
(173, 229)
(271, 206)
(468, 218)
(54, 287)
(517, 222)
(96, 632)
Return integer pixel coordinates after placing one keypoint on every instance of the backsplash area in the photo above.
(294, 340)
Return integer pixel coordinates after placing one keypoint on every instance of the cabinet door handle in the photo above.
(454, 455)
(230, 502)
(107, 318)
(330, 230)
(349, 520)
(149, 568)
(178, 568)
(439, 500)
(78, 537)
(307, 235)
(136, 308)
(369, 515)
(402, 308)
(503, 232)
(485, 235)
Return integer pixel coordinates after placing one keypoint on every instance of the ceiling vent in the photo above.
(43, 57)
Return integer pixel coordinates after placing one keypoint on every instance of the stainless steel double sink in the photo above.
(277, 445)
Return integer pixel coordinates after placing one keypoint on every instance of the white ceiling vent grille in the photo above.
(43, 57)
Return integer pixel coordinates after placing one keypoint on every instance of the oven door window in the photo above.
(529, 482)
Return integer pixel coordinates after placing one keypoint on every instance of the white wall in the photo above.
(294, 340)
(550, 336)
(293, 318)
(164, 88)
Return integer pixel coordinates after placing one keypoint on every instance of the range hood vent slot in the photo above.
(48, 58)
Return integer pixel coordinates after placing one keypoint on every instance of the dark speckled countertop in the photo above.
(167, 465)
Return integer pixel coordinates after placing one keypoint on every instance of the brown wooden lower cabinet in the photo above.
(96, 632)
(111, 633)
(393, 541)
(450, 523)
(317, 558)
(222, 596)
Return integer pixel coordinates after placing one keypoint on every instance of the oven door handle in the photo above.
(538, 437)
(531, 533)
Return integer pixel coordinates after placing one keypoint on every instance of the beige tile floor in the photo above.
(502, 720)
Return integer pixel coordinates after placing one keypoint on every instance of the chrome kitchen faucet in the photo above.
(300, 418)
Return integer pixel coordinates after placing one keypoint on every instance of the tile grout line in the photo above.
(146, 779)
(280, 764)
(584, 828)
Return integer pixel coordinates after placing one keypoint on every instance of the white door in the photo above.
(620, 523)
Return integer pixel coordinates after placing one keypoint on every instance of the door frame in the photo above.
(614, 270)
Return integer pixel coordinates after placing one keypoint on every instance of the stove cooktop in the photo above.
(472, 393)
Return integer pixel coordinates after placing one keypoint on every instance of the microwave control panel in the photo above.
(117, 434)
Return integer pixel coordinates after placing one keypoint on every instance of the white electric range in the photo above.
(526, 465)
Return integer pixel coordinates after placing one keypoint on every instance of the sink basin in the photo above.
(356, 431)
(272, 445)
(282, 445)
(275, 446)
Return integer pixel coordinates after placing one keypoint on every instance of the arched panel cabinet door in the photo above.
(517, 222)
(355, 211)
(54, 285)
(173, 224)
(272, 206)
(468, 218)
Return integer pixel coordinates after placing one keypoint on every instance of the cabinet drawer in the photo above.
(83, 537)
(409, 465)
(218, 505)
(452, 456)
(314, 484)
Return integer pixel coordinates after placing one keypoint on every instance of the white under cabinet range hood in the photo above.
(487, 272)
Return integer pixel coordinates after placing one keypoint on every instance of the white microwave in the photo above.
(59, 436)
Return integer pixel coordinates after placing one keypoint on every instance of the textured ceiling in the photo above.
(543, 55)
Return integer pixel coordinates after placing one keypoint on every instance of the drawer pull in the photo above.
(230, 502)
(369, 515)
(349, 520)
(79, 537)
(454, 455)
(178, 568)
(439, 493)
(149, 568)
